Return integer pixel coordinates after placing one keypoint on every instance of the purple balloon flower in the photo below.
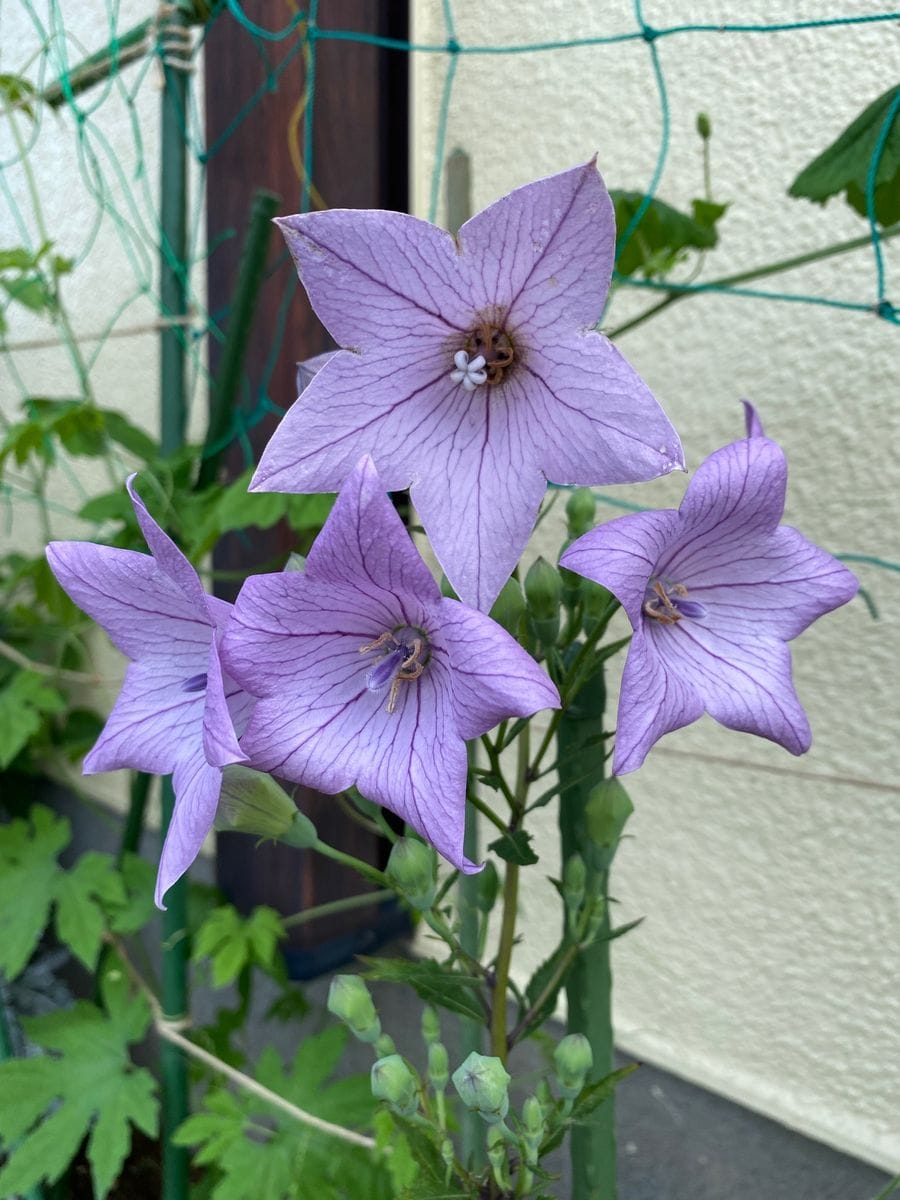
(471, 370)
(366, 676)
(176, 711)
(714, 592)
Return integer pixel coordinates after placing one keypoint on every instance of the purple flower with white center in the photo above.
(176, 713)
(714, 592)
(367, 676)
(471, 369)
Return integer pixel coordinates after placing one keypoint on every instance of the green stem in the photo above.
(243, 309)
(471, 1035)
(173, 1067)
(133, 44)
(589, 982)
(510, 907)
(486, 811)
(774, 268)
(334, 907)
(356, 864)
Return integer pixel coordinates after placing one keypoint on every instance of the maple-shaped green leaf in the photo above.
(664, 234)
(844, 165)
(31, 881)
(246, 1139)
(84, 1086)
(24, 702)
(234, 942)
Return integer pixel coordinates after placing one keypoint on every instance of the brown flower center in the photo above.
(495, 347)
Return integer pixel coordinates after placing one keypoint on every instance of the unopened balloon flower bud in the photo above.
(533, 1119)
(704, 125)
(581, 509)
(252, 802)
(573, 887)
(431, 1025)
(509, 607)
(498, 1157)
(573, 1059)
(394, 1082)
(412, 869)
(438, 1066)
(543, 591)
(349, 1000)
(483, 1086)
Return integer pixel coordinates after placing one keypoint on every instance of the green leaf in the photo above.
(18, 93)
(606, 813)
(394, 1149)
(80, 916)
(233, 942)
(844, 165)
(515, 847)
(590, 1098)
(28, 875)
(664, 235)
(30, 290)
(88, 1086)
(449, 989)
(24, 702)
(120, 430)
(17, 259)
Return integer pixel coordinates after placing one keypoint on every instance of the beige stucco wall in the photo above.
(767, 966)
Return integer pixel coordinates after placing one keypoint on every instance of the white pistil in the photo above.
(469, 372)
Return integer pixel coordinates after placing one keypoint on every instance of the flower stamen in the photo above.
(405, 660)
(668, 603)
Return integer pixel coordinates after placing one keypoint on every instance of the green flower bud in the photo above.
(571, 583)
(252, 802)
(483, 1085)
(704, 125)
(573, 1059)
(349, 1000)
(431, 1025)
(581, 509)
(384, 1046)
(412, 869)
(543, 591)
(438, 1066)
(599, 605)
(533, 1119)
(497, 1157)
(509, 607)
(394, 1082)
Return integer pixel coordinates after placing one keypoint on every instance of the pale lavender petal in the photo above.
(622, 555)
(653, 700)
(365, 544)
(220, 742)
(491, 676)
(379, 280)
(543, 253)
(146, 614)
(745, 683)
(156, 720)
(736, 493)
(197, 786)
(392, 408)
(752, 421)
(779, 581)
(598, 421)
(310, 367)
(479, 497)
(167, 554)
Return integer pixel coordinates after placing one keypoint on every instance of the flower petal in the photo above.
(752, 421)
(145, 613)
(197, 786)
(220, 743)
(379, 280)
(154, 721)
(779, 582)
(491, 676)
(653, 700)
(360, 404)
(544, 252)
(594, 420)
(622, 554)
(364, 544)
(167, 554)
(478, 493)
(745, 684)
(734, 494)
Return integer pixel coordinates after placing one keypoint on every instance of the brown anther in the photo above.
(377, 644)
(495, 347)
(662, 609)
(411, 668)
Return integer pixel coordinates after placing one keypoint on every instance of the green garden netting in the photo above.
(63, 73)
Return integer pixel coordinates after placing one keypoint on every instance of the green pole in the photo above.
(589, 984)
(173, 414)
(243, 306)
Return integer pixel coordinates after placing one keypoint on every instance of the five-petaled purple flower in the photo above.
(470, 369)
(367, 676)
(714, 592)
(176, 713)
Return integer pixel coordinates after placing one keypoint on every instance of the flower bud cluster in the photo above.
(412, 870)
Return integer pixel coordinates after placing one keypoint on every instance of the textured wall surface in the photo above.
(767, 966)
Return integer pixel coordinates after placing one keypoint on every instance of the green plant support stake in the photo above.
(589, 985)
(243, 307)
(173, 412)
